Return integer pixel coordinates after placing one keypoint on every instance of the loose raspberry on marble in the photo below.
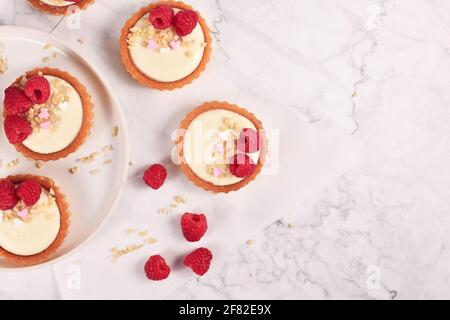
(156, 268)
(241, 165)
(161, 17)
(17, 129)
(37, 88)
(155, 176)
(29, 191)
(8, 197)
(16, 101)
(199, 260)
(249, 141)
(184, 22)
(194, 226)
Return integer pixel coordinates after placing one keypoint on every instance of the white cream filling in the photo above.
(170, 65)
(36, 235)
(204, 134)
(47, 141)
(57, 3)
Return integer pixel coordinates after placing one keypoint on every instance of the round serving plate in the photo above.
(94, 190)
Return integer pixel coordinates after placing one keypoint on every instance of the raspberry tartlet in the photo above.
(165, 45)
(221, 147)
(60, 7)
(47, 114)
(34, 219)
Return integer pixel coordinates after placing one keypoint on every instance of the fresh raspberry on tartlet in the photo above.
(193, 226)
(165, 45)
(48, 114)
(199, 260)
(230, 129)
(34, 227)
(60, 7)
(161, 17)
(8, 197)
(17, 129)
(16, 101)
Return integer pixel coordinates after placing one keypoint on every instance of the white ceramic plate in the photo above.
(91, 197)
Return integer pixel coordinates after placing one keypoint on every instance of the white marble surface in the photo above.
(378, 68)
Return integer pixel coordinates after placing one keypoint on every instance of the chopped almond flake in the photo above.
(151, 240)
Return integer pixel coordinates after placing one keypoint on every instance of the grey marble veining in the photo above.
(378, 68)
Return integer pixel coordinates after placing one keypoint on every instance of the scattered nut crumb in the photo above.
(115, 131)
(151, 240)
(130, 163)
(12, 164)
(249, 242)
(94, 172)
(117, 253)
(179, 199)
(130, 230)
(90, 158)
(55, 55)
(81, 40)
(45, 59)
(47, 46)
(188, 53)
(143, 233)
(107, 162)
(39, 164)
(107, 148)
(164, 210)
(74, 170)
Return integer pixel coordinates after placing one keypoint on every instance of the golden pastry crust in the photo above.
(88, 116)
(63, 207)
(59, 11)
(142, 78)
(188, 171)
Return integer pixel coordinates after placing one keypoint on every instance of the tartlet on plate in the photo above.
(47, 114)
(60, 7)
(31, 233)
(165, 45)
(221, 147)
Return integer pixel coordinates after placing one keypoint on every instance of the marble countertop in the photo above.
(377, 68)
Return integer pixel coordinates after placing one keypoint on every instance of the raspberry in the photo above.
(193, 226)
(241, 166)
(16, 101)
(161, 17)
(199, 260)
(184, 22)
(156, 268)
(37, 89)
(17, 129)
(8, 198)
(155, 176)
(29, 191)
(248, 141)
